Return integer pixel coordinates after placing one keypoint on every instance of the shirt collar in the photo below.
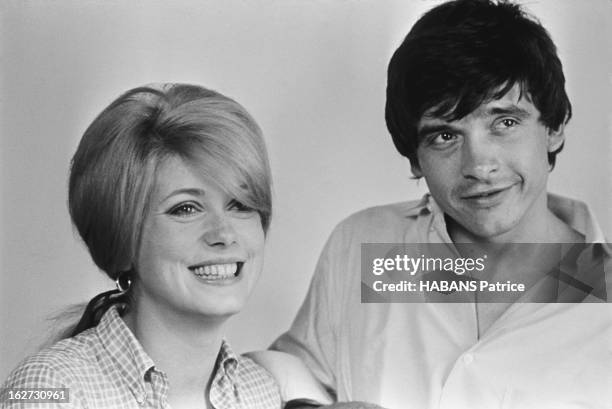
(578, 216)
(422, 207)
(125, 351)
(573, 212)
(228, 360)
(133, 363)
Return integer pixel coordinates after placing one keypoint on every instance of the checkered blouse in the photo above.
(106, 367)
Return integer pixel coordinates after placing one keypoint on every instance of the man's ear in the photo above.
(555, 138)
(416, 170)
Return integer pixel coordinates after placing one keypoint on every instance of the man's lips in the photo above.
(486, 198)
(477, 194)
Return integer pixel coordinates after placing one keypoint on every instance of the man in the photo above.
(476, 101)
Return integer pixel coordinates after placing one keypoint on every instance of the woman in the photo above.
(170, 191)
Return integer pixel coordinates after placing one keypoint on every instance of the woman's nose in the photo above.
(219, 231)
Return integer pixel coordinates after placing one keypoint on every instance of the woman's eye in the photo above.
(184, 209)
(239, 206)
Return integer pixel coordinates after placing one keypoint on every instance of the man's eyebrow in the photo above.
(509, 110)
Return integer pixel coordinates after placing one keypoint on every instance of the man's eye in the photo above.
(507, 123)
(446, 136)
(442, 138)
(239, 206)
(184, 209)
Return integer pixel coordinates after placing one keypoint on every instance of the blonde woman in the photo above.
(170, 191)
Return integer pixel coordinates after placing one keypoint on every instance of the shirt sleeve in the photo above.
(37, 376)
(313, 334)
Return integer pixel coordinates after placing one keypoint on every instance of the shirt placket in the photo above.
(454, 386)
(223, 391)
(157, 390)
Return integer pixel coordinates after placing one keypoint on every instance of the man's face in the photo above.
(488, 171)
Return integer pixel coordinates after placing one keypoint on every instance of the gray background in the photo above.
(312, 72)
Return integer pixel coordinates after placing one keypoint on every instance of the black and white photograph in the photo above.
(343, 204)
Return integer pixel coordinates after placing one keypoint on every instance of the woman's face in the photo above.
(201, 251)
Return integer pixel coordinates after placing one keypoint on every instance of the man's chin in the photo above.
(494, 230)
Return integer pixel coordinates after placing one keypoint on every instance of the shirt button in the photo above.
(468, 359)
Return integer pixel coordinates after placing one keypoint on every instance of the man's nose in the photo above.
(219, 230)
(479, 157)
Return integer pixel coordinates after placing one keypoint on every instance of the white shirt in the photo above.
(429, 355)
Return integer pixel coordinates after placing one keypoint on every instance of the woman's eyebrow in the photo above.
(188, 190)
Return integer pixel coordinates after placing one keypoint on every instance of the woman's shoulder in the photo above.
(259, 387)
(294, 379)
(59, 365)
(250, 369)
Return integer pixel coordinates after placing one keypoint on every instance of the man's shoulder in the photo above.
(388, 212)
(380, 223)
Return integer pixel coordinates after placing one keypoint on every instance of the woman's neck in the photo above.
(184, 347)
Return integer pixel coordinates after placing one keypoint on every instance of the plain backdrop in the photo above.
(312, 72)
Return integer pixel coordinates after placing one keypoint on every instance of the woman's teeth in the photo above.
(216, 271)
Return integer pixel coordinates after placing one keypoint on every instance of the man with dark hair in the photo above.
(473, 86)
(476, 101)
(462, 54)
